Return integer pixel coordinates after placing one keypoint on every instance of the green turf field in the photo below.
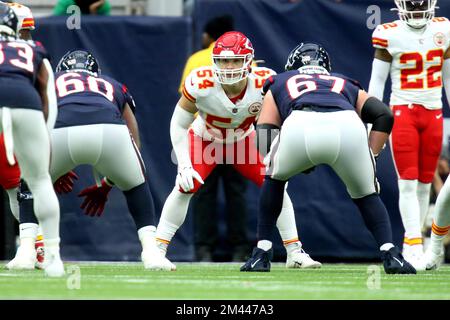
(223, 281)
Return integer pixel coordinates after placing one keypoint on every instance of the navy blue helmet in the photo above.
(308, 54)
(8, 20)
(78, 60)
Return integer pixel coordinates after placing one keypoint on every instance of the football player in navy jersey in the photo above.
(26, 95)
(318, 115)
(96, 126)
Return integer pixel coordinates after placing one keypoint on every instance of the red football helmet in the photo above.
(232, 57)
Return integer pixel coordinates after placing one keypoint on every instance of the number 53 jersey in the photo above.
(418, 56)
(86, 98)
(20, 62)
(221, 119)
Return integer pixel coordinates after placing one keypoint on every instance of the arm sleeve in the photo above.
(380, 72)
(129, 98)
(179, 124)
(446, 78)
(51, 97)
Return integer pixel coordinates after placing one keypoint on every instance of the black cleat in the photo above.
(394, 263)
(259, 261)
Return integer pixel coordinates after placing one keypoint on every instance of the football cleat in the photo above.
(154, 260)
(259, 261)
(40, 254)
(414, 255)
(433, 260)
(394, 263)
(300, 259)
(25, 259)
(54, 266)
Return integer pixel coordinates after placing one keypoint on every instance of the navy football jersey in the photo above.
(324, 93)
(20, 62)
(85, 98)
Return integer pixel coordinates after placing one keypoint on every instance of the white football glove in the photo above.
(185, 178)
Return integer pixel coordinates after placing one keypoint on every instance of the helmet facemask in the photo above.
(230, 68)
(416, 13)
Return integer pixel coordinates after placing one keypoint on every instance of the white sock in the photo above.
(52, 247)
(286, 222)
(386, 246)
(39, 231)
(423, 196)
(13, 203)
(147, 237)
(441, 218)
(436, 243)
(172, 216)
(409, 208)
(265, 245)
(28, 230)
(45, 205)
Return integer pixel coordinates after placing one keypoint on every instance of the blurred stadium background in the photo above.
(145, 44)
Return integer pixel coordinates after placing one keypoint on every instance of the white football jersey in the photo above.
(418, 56)
(219, 119)
(24, 15)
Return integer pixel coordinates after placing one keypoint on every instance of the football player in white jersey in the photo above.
(228, 99)
(414, 50)
(26, 19)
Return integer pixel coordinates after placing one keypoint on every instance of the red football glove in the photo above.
(65, 183)
(96, 198)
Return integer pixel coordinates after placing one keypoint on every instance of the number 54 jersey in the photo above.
(418, 55)
(219, 118)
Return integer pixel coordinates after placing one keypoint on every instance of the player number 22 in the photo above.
(431, 81)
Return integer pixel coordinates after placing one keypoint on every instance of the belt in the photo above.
(411, 105)
(306, 107)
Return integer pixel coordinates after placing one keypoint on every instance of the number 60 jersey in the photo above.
(418, 55)
(221, 119)
(87, 98)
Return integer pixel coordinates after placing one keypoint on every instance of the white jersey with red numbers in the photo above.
(418, 56)
(219, 118)
(24, 15)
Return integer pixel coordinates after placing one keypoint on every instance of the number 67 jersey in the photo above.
(418, 56)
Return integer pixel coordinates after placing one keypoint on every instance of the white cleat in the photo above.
(432, 259)
(54, 267)
(416, 259)
(300, 259)
(25, 259)
(154, 260)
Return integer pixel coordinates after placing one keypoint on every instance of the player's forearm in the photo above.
(181, 120)
(380, 73)
(377, 141)
(446, 78)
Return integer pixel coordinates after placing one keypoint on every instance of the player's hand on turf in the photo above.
(95, 200)
(65, 183)
(185, 179)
